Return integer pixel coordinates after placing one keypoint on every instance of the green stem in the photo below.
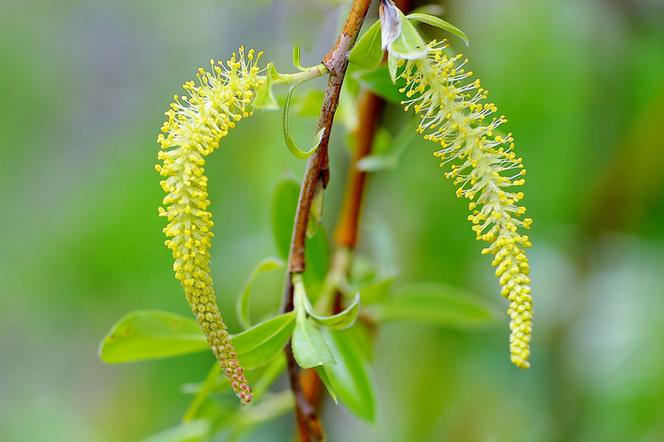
(313, 72)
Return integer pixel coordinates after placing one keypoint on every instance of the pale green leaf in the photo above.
(296, 59)
(151, 334)
(339, 321)
(439, 23)
(437, 304)
(367, 52)
(351, 378)
(309, 347)
(242, 301)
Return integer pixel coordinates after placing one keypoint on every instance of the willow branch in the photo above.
(316, 176)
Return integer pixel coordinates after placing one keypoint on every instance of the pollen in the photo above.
(483, 167)
(195, 124)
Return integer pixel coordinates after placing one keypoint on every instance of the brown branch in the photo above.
(316, 176)
(348, 222)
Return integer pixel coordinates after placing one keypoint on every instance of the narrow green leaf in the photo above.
(339, 321)
(260, 344)
(296, 59)
(351, 378)
(438, 304)
(439, 23)
(309, 347)
(242, 302)
(284, 203)
(367, 52)
(409, 45)
(194, 431)
(151, 334)
(290, 142)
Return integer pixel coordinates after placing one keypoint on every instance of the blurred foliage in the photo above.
(84, 85)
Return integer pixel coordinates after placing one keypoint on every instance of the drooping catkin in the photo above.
(193, 129)
(484, 168)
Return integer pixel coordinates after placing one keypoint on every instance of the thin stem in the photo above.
(316, 71)
(317, 174)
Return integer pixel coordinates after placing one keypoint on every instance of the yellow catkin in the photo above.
(195, 124)
(483, 167)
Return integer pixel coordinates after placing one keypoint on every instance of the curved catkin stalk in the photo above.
(192, 131)
(483, 167)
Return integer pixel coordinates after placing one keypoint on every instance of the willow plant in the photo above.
(451, 110)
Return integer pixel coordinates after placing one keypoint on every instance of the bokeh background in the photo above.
(83, 85)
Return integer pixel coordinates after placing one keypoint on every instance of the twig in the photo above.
(348, 222)
(316, 175)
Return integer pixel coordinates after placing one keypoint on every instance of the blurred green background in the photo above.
(83, 86)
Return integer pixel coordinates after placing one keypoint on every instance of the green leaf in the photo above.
(242, 302)
(151, 334)
(439, 23)
(290, 142)
(265, 99)
(296, 59)
(284, 203)
(379, 82)
(260, 344)
(437, 304)
(322, 374)
(193, 431)
(309, 347)
(339, 321)
(367, 52)
(351, 378)
(409, 45)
